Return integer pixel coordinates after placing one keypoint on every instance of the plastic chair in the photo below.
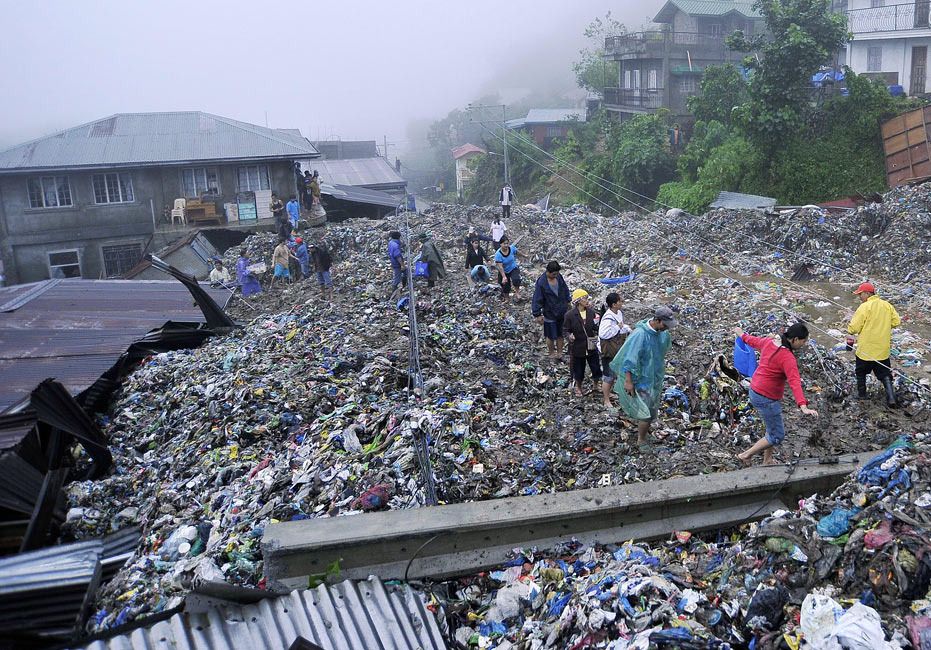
(178, 211)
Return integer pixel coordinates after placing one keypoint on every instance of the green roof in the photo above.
(706, 8)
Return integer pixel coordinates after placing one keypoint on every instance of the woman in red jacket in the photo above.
(777, 365)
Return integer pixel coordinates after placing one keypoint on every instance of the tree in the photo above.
(800, 36)
(591, 69)
(722, 90)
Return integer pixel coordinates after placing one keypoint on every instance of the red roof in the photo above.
(465, 150)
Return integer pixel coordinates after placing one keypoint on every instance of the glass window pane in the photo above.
(187, 182)
(63, 257)
(213, 185)
(35, 193)
(263, 174)
(63, 189)
(100, 190)
(49, 192)
(126, 187)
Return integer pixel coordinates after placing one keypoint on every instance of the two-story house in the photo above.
(890, 42)
(661, 68)
(86, 202)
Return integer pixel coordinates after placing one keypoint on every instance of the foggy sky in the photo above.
(344, 68)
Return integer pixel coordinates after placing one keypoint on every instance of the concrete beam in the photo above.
(468, 537)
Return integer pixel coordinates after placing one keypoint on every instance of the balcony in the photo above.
(636, 98)
(891, 18)
(645, 45)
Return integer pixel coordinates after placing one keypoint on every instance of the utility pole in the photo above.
(504, 138)
(386, 147)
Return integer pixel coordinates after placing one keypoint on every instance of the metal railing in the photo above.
(634, 97)
(891, 18)
(646, 42)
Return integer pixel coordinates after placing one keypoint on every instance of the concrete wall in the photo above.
(896, 57)
(28, 234)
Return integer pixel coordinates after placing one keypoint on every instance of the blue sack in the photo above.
(744, 358)
(421, 270)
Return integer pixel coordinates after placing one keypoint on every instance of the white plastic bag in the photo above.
(819, 617)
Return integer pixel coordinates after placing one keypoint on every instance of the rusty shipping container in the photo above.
(905, 143)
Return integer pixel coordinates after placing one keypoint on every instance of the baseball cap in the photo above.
(865, 287)
(666, 315)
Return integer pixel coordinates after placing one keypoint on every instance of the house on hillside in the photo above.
(662, 68)
(367, 173)
(86, 202)
(891, 42)
(464, 171)
(546, 124)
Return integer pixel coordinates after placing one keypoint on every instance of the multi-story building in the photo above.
(890, 42)
(661, 68)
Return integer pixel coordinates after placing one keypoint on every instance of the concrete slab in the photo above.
(467, 537)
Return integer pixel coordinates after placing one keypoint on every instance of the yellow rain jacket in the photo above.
(873, 323)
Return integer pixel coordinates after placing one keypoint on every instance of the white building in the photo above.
(464, 171)
(890, 42)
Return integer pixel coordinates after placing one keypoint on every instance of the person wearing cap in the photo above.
(642, 364)
(550, 303)
(430, 254)
(872, 324)
(219, 275)
(303, 256)
(778, 365)
(581, 325)
(396, 257)
(508, 269)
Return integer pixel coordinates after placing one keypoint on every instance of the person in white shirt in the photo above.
(506, 198)
(498, 230)
(219, 274)
(612, 332)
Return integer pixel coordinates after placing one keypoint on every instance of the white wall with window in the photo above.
(196, 181)
(888, 55)
(874, 58)
(113, 188)
(120, 258)
(64, 264)
(253, 178)
(49, 192)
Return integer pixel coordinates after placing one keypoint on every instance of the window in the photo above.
(253, 178)
(717, 29)
(687, 85)
(199, 180)
(626, 78)
(118, 259)
(64, 264)
(113, 188)
(636, 79)
(652, 79)
(49, 192)
(874, 59)
(554, 132)
(877, 3)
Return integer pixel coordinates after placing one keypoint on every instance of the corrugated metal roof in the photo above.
(706, 8)
(359, 195)
(551, 115)
(77, 329)
(362, 172)
(738, 201)
(351, 615)
(127, 139)
(466, 149)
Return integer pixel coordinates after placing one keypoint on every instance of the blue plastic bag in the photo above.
(421, 270)
(744, 358)
(837, 523)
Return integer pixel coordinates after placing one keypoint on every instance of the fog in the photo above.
(350, 69)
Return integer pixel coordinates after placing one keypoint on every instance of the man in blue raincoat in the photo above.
(642, 364)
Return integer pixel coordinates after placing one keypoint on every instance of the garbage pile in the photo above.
(886, 240)
(849, 570)
(308, 411)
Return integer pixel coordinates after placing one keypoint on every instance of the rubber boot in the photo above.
(861, 387)
(890, 392)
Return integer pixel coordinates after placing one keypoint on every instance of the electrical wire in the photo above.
(664, 238)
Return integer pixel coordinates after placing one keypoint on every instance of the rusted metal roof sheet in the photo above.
(138, 139)
(75, 330)
(349, 615)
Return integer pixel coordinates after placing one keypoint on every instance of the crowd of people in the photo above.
(629, 362)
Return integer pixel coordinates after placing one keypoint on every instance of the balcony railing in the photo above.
(634, 97)
(659, 42)
(891, 18)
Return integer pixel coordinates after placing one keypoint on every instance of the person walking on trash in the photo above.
(581, 326)
(612, 333)
(873, 322)
(642, 364)
(248, 283)
(508, 269)
(396, 257)
(777, 366)
(281, 260)
(498, 231)
(506, 198)
(550, 303)
(430, 254)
